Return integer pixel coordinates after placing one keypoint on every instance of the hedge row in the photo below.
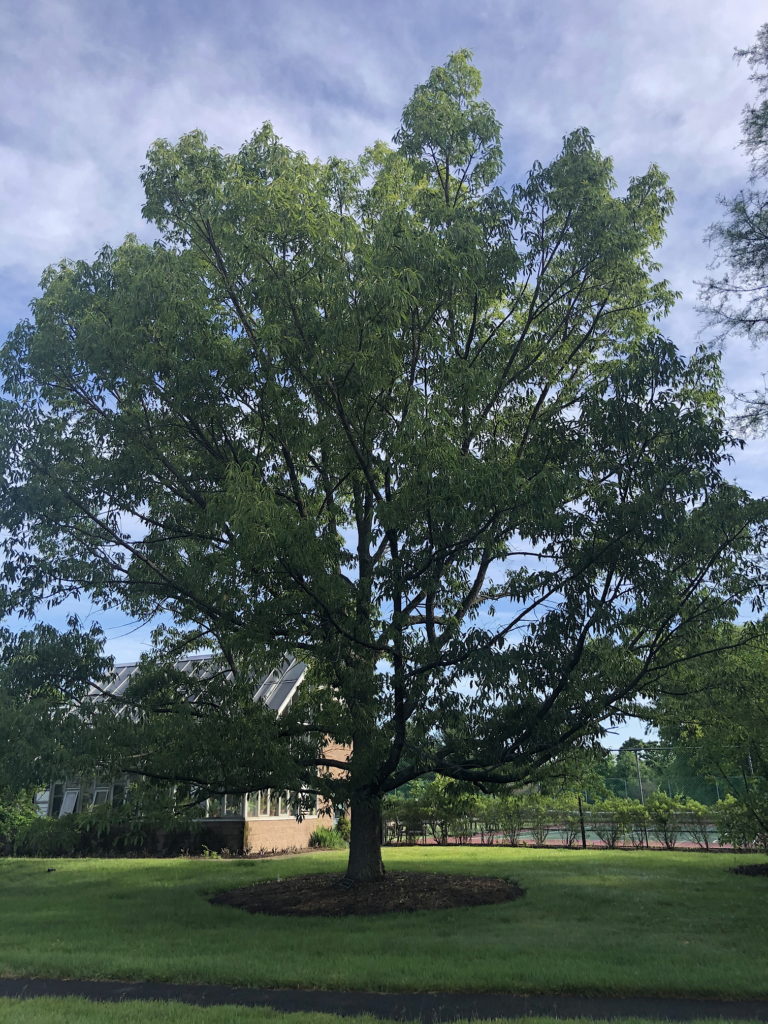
(433, 814)
(100, 832)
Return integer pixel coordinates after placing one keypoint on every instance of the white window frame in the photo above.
(286, 799)
(69, 801)
(43, 802)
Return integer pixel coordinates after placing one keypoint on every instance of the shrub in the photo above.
(50, 837)
(447, 807)
(344, 827)
(539, 817)
(665, 818)
(697, 821)
(16, 816)
(742, 824)
(617, 819)
(135, 829)
(326, 839)
(568, 820)
(487, 825)
(406, 815)
(511, 817)
(637, 819)
(608, 819)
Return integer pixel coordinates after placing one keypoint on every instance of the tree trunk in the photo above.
(365, 863)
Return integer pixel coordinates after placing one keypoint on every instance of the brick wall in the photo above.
(336, 752)
(280, 833)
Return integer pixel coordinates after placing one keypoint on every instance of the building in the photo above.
(255, 822)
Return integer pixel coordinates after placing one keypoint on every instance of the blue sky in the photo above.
(87, 85)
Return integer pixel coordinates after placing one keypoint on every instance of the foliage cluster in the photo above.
(715, 716)
(737, 301)
(104, 832)
(739, 825)
(17, 815)
(434, 810)
(327, 839)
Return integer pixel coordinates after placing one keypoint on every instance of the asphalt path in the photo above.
(410, 1006)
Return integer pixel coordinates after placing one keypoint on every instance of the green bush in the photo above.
(637, 819)
(135, 829)
(511, 817)
(50, 837)
(741, 823)
(608, 820)
(447, 807)
(665, 815)
(16, 816)
(326, 839)
(439, 807)
(566, 818)
(697, 821)
(405, 816)
(344, 827)
(488, 824)
(617, 819)
(538, 814)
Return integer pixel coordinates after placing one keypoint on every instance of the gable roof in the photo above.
(276, 688)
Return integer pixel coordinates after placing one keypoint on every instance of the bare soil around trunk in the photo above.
(331, 895)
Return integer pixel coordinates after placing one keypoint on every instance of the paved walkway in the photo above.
(425, 1006)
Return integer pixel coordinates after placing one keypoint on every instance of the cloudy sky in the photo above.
(89, 84)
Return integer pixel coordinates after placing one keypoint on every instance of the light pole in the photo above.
(639, 777)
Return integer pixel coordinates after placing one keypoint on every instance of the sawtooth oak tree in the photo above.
(386, 416)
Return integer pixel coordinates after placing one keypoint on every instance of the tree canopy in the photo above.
(737, 301)
(421, 430)
(716, 715)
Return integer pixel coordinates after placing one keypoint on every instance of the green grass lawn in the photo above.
(634, 922)
(80, 1011)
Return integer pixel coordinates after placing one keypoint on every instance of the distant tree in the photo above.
(714, 714)
(383, 415)
(579, 770)
(736, 302)
(634, 769)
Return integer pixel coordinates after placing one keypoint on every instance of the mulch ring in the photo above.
(328, 895)
(750, 869)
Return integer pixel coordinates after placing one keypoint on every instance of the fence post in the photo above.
(581, 822)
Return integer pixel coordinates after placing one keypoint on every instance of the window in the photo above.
(215, 807)
(42, 800)
(69, 803)
(275, 803)
(254, 804)
(100, 796)
(58, 796)
(233, 806)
